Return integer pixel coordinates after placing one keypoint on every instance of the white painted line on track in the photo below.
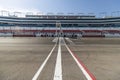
(43, 64)
(70, 41)
(85, 71)
(58, 67)
(55, 39)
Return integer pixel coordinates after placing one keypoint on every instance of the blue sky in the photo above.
(64, 6)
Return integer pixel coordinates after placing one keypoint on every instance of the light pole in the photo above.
(118, 13)
(29, 13)
(90, 14)
(113, 14)
(103, 14)
(50, 13)
(17, 14)
(40, 13)
(81, 14)
(4, 13)
(60, 13)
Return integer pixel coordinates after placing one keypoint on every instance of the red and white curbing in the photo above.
(83, 68)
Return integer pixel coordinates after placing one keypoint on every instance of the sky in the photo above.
(98, 7)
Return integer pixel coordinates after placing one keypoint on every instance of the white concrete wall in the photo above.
(6, 35)
(112, 35)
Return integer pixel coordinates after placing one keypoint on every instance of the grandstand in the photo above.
(71, 25)
(52, 47)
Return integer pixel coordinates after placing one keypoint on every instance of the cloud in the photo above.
(18, 5)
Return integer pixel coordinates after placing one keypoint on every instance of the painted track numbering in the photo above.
(85, 71)
(43, 64)
(58, 67)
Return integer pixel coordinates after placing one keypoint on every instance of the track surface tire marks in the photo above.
(48, 71)
(20, 60)
(101, 59)
(70, 69)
